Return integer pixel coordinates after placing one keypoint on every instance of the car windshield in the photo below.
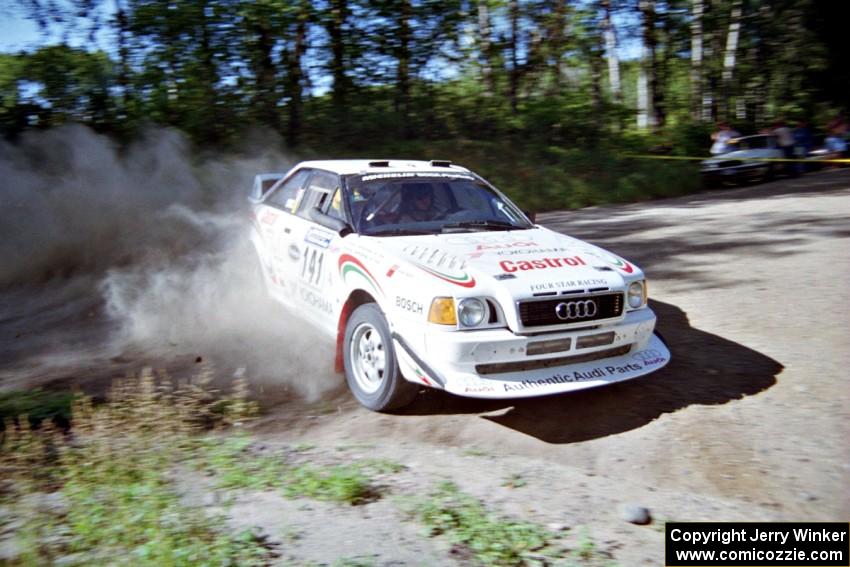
(752, 143)
(394, 204)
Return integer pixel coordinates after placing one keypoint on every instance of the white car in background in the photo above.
(750, 159)
(426, 275)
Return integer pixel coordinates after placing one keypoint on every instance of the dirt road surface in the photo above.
(750, 420)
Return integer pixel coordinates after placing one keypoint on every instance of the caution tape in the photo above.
(734, 158)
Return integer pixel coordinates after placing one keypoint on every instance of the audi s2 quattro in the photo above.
(425, 275)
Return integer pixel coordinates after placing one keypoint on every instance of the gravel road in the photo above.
(750, 421)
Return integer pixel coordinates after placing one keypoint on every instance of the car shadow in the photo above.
(705, 369)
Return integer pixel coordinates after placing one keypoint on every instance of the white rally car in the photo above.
(426, 275)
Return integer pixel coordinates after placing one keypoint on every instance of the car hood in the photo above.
(745, 154)
(510, 265)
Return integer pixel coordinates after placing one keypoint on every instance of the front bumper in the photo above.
(746, 170)
(468, 363)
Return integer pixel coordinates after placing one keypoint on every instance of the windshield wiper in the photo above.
(482, 225)
(397, 232)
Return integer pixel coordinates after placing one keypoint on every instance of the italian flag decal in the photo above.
(622, 265)
(421, 375)
(464, 280)
(349, 264)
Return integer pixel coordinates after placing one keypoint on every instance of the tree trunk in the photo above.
(339, 94)
(123, 57)
(648, 79)
(210, 128)
(558, 39)
(513, 47)
(729, 56)
(294, 77)
(485, 43)
(265, 95)
(596, 65)
(403, 73)
(661, 58)
(708, 83)
(696, 59)
(611, 51)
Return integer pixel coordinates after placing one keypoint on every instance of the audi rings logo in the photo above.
(576, 309)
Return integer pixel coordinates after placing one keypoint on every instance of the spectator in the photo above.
(722, 138)
(785, 139)
(836, 144)
(836, 140)
(803, 143)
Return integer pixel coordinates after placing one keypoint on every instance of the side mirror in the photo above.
(333, 223)
(532, 216)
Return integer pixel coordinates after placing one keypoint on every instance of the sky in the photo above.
(15, 32)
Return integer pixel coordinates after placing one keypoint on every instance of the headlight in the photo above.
(637, 294)
(471, 312)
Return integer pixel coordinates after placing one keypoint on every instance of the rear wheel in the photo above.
(768, 175)
(371, 367)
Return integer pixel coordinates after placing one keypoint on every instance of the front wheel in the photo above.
(371, 367)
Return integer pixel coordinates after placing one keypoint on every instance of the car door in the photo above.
(277, 221)
(317, 250)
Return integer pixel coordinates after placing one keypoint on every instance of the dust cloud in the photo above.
(158, 239)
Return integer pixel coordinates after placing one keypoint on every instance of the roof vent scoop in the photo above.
(382, 163)
(440, 163)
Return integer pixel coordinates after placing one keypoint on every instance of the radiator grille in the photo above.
(541, 313)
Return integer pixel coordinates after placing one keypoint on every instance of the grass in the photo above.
(491, 540)
(236, 465)
(514, 481)
(110, 480)
(104, 490)
(381, 466)
(37, 405)
(476, 453)
(341, 483)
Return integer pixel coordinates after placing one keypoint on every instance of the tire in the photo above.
(371, 366)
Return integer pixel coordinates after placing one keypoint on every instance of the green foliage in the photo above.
(514, 481)
(237, 465)
(111, 491)
(688, 138)
(341, 483)
(531, 108)
(126, 508)
(37, 405)
(381, 466)
(493, 541)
